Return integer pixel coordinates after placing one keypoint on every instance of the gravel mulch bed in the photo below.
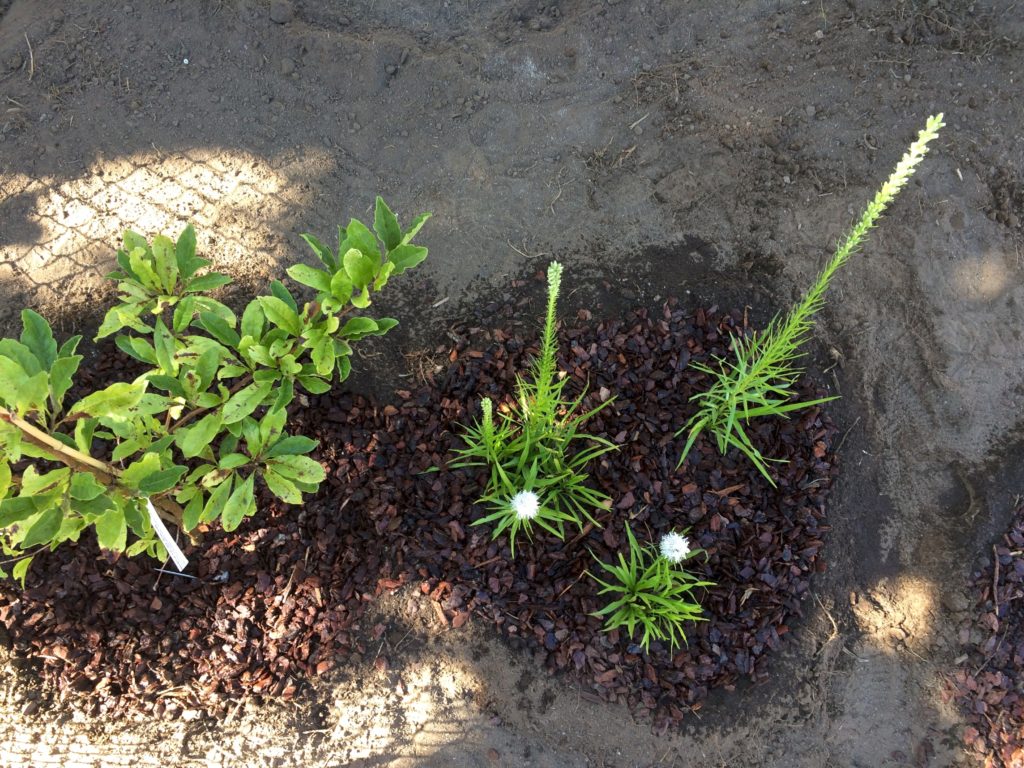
(280, 599)
(989, 683)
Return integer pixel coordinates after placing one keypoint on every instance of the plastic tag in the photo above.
(180, 561)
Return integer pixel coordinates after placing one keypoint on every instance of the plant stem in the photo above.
(106, 473)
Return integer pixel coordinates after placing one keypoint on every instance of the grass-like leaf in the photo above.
(760, 379)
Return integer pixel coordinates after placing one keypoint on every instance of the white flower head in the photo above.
(526, 505)
(674, 547)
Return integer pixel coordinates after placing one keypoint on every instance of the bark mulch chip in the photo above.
(988, 684)
(280, 599)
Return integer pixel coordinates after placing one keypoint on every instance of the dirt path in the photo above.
(666, 147)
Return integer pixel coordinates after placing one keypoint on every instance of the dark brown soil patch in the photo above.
(988, 684)
(281, 599)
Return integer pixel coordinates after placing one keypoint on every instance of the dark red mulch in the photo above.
(989, 683)
(280, 599)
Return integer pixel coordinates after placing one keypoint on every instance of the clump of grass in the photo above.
(535, 449)
(651, 591)
(760, 380)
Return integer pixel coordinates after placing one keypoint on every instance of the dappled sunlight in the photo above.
(899, 614)
(59, 229)
(987, 277)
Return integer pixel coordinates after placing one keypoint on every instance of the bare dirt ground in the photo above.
(668, 147)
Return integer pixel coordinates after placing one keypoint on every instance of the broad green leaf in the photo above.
(417, 223)
(252, 320)
(167, 384)
(322, 252)
(285, 395)
(313, 385)
(323, 356)
(233, 460)
(219, 308)
(383, 274)
(385, 324)
(122, 316)
(37, 336)
(314, 278)
(281, 315)
(219, 329)
(358, 327)
(278, 290)
(44, 528)
(33, 483)
(281, 487)
(206, 367)
(341, 286)
(301, 468)
(184, 313)
(165, 263)
(126, 448)
(112, 530)
(245, 401)
(5, 477)
(138, 348)
(344, 367)
(84, 429)
(12, 376)
(144, 270)
(33, 393)
(208, 282)
(115, 400)
(133, 240)
(406, 257)
(185, 251)
(19, 508)
(163, 344)
(359, 267)
(21, 354)
(85, 487)
(362, 300)
(241, 504)
(135, 515)
(359, 237)
(293, 445)
(192, 513)
(161, 481)
(70, 529)
(20, 570)
(386, 225)
(67, 349)
(215, 504)
(195, 438)
(140, 469)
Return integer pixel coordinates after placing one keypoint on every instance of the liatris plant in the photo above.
(534, 447)
(760, 380)
(651, 591)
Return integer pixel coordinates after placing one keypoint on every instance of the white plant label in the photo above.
(180, 561)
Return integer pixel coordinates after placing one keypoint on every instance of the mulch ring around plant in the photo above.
(988, 684)
(280, 599)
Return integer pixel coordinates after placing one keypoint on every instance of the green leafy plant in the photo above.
(651, 591)
(537, 474)
(760, 380)
(186, 441)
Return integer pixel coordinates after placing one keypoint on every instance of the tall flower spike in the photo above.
(525, 504)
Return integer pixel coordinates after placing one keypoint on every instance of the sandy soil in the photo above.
(665, 147)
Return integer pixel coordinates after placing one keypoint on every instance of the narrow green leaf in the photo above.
(313, 385)
(163, 345)
(218, 328)
(358, 327)
(323, 356)
(293, 445)
(192, 513)
(185, 251)
(414, 228)
(359, 237)
(278, 290)
(241, 504)
(215, 504)
(208, 282)
(322, 252)
(165, 263)
(20, 570)
(245, 401)
(386, 225)
(252, 320)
